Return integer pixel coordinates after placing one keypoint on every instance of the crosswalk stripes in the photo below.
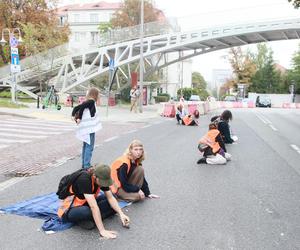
(18, 130)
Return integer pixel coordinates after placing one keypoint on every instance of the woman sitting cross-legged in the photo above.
(127, 173)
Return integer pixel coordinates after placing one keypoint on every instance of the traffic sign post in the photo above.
(14, 65)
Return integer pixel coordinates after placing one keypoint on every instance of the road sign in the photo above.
(111, 64)
(13, 41)
(15, 62)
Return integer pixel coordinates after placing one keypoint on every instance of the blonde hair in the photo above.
(93, 93)
(135, 143)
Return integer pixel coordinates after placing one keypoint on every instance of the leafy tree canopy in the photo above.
(129, 14)
(198, 81)
(39, 16)
(296, 3)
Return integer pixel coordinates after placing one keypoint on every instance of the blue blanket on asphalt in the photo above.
(44, 207)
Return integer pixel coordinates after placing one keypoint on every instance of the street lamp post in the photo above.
(14, 53)
(141, 57)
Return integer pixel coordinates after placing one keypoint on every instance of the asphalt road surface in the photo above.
(250, 203)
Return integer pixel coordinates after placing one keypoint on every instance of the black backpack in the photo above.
(66, 182)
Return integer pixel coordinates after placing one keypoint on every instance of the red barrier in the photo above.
(169, 110)
(286, 105)
(81, 99)
(251, 104)
(192, 108)
(69, 101)
(297, 105)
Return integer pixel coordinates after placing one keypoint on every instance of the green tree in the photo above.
(294, 73)
(296, 3)
(266, 79)
(198, 81)
(242, 65)
(129, 14)
(38, 13)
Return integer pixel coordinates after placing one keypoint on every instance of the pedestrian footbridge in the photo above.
(72, 70)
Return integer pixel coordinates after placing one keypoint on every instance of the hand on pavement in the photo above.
(125, 220)
(153, 196)
(108, 234)
(142, 195)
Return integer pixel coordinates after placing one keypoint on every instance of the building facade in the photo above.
(84, 21)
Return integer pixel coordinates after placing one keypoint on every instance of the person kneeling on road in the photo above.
(86, 207)
(128, 174)
(191, 120)
(213, 147)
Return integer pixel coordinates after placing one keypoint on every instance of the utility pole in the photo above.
(141, 58)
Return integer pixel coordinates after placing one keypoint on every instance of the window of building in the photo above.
(94, 18)
(79, 36)
(76, 18)
(94, 37)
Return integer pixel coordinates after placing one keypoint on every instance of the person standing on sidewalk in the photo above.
(88, 122)
(134, 97)
(128, 174)
(86, 208)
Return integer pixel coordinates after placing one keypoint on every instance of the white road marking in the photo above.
(296, 148)
(261, 118)
(35, 123)
(14, 141)
(10, 182)
(131, 131)
(23, 136)
(35, 127)
(29, 131)
(3, 146)
(111, 139)
(272, 127)
(147, 126)
(43, 122)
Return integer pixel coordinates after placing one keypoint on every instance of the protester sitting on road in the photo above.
(86, 207)
(191, 120)
(128, 174)
(213, 147)
(88, 121)
(180, 113)
(223, 126)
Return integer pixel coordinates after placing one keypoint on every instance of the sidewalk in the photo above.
(113, 114)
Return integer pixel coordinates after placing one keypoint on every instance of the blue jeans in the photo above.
(87, 151)
(81, 213)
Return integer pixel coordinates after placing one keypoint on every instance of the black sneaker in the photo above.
(87, 224)
(201, 161)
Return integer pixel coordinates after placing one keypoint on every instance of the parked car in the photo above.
(230, 98)
(195, 98)
(263, 101)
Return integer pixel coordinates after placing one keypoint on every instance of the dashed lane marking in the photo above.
(10, 182)
(147, 126)
(3, 146)
(23, 136)
(35, 127)
(272, 127)
(111, 139)
(296, 148)
(131, 131)
(14, 141)
(29, 131)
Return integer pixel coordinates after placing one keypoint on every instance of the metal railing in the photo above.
(133, 32)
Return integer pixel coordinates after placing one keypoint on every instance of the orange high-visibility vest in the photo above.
(66, 203)
(114, 172)
(187, 120)
(210, 140)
